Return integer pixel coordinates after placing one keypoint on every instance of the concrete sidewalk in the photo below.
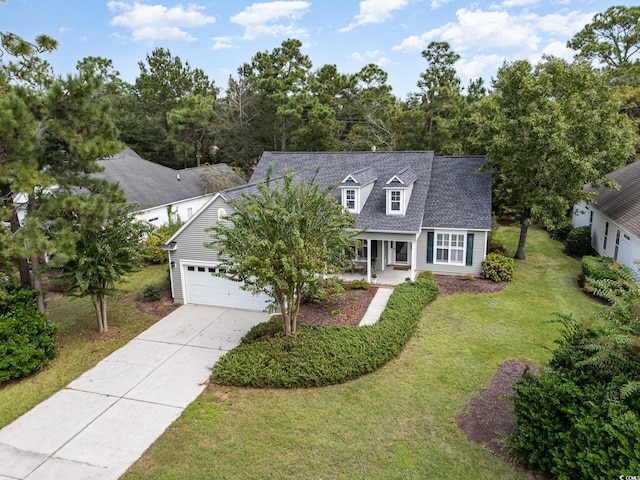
(377, 306)
(103, 421)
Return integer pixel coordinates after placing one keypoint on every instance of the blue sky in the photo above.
(219, 36)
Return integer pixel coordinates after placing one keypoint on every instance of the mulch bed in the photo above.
(450, 284)
(486, 419)
(347, 311)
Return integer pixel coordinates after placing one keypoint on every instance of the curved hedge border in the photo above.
(324, 355)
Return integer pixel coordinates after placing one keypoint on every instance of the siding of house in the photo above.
(160, 215)
(629, 245)
(191, 244)
(479, 251)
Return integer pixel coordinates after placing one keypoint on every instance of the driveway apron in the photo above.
(103, 421)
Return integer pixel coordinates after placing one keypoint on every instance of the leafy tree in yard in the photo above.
(109, 246)
(547, 131)
(281, 237)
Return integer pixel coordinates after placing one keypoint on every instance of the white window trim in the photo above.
(356, 200)
(402, 209)
(463, 249)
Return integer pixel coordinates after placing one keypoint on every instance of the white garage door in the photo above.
(203, 288)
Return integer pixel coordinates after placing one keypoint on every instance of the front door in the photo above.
(402, 252)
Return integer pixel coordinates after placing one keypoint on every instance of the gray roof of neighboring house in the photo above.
(150, 184)
(622, 206)
(447, 193)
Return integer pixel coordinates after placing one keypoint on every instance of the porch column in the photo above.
(368, 260)
(414, 259)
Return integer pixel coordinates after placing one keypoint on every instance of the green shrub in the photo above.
(151, 292)
(425, 275)
(605, 278)
(498, 268)
(579, 242)
(321, 289)
(580, 418)
(324, 355)
(27, 339)
(159, 236)
(357, 285)
(561, 232)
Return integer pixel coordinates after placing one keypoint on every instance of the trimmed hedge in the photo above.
(27, 339)
(321, 356)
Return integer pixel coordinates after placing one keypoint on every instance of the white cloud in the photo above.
(371, 56)
(476, 30)
(518, 3)
(435, 4)
(478, 65)
(157, 22)
(256, 19)
(222, 43)
(375, 11)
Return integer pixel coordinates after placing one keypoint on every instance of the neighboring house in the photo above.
(418, 212)
(160, 192)
(614, 217)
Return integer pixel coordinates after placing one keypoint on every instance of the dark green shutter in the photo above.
(469, 249)
(374, 249)
(430, 236)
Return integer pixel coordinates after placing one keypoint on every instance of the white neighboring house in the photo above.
(160, 192)
(614, 217)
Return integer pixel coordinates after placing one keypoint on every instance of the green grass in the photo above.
(396, 423)
(79, 346)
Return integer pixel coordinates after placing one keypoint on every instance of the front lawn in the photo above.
(395, 423)
(80, 347)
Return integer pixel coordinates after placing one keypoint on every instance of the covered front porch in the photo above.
(383, 258)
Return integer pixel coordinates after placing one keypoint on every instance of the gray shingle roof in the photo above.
(362, 177)
(405, 177)
(622, 206)
(459, 196)
(466, 195)
(150, 184)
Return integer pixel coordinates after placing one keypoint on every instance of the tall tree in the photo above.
(279, 238)
(280, 78)
(108, 246)
(166, 84)
(55, 129)
(612, 38)
(373, 111)
(439, 102)
(240, 134)
(547, 131)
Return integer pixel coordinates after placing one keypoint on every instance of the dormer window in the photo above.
(399, 188)
(350, 200)
(395, 201)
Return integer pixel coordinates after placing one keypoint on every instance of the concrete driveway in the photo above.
(104, 420)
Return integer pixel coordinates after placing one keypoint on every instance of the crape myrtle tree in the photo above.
(108, 246)
(281, 237)
(547, 131)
